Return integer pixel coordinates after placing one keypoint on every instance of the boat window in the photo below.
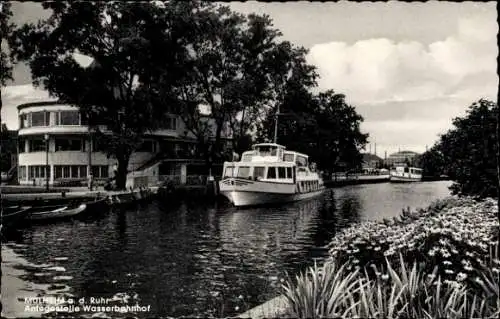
(281, 172)
(289, 172)
(244, 171)
(271, 172)
(229, 171)
(406, 169)
(301, 161)
(273, 152)
(288, 157)
(264, 151)
(258, 172)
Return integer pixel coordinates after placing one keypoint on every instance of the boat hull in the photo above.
(256, 198)
(58, 213)
(401, 179)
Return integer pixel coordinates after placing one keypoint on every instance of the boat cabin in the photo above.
(406, 169)
(271, 152)
(284, 172)
(269, 162)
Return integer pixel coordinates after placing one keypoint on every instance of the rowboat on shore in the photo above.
(55, 212)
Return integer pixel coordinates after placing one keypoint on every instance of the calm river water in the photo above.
(188, 259)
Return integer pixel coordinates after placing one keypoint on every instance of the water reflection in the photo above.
(194, 258)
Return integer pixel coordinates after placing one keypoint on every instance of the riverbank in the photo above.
(442, 261)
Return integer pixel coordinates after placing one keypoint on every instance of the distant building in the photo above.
(64, 130)
(370, 161)
(401, 158)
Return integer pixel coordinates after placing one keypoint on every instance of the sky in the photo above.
(408, 68)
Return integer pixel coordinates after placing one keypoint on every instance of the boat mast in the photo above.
(276, 124)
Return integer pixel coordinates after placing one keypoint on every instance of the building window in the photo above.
(36, 145)
(100, 171)
(68, 118)
(271, 172)
(22, 173)
(23, 120)
(38, 171)
(21, 143)
(147, 146)
(40, 118)
(171, 123)
(65, 144)
(70, 171)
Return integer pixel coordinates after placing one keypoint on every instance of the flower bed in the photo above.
(448, 267)
(454, 234)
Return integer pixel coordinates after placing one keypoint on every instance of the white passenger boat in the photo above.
(269, 174)
(405, 174)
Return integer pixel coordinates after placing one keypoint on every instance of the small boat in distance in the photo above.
(405, 174)
(269, 174)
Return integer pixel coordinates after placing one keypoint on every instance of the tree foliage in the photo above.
(113, 90)
(234, 65)
(155, 58)
(6, 29)
(467, 152)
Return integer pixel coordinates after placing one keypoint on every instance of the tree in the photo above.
(432, 162)
(6, 29)
(234, 65)
(468, 151)
(115, 89)
(339, 136)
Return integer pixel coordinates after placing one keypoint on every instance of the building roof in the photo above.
(367, 157)
(403, 153)
(42, 103)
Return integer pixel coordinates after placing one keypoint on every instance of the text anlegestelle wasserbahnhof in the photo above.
(84, 304)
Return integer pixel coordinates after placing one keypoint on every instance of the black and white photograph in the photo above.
(249, 159)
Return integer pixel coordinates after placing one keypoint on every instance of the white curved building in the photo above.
(62, 128)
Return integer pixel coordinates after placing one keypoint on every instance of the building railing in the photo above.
(191, 180)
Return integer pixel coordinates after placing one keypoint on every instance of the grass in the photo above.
(438, 262)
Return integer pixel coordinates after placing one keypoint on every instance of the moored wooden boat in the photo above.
(55, 212)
